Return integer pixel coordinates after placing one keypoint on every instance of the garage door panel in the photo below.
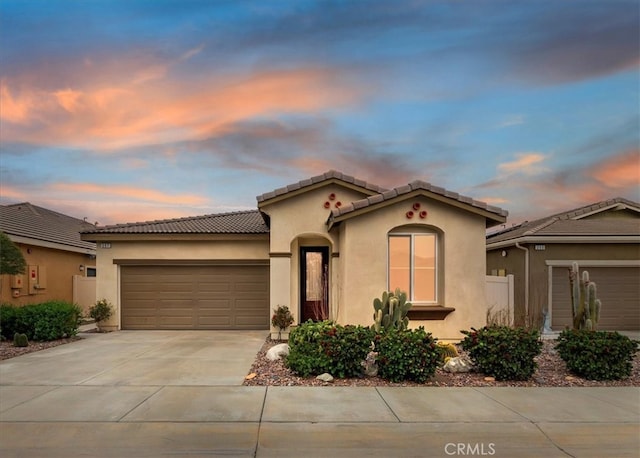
(195, 297)
(617, 287)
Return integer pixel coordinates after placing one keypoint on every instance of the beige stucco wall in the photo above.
(301, 221)
(363, 258)
(108, 282)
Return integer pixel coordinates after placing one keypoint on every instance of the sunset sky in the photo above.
(124, 111)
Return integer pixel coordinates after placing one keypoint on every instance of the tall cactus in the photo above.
(585, 305)
(391, 311)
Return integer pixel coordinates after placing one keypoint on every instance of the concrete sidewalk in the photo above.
(106, 413)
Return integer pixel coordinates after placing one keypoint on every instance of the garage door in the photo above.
(618, 289)
(195, 297)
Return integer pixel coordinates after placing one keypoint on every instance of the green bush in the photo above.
(11, 321)
(102, 310)
(503, 352)
(597, 355)
(318, 347)
(407, 355)
(46, 321)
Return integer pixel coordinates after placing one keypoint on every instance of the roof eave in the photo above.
(317, 185)
(491, 218)
(541, 239)
(164, 236)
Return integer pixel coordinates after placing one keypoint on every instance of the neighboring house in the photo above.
(604, 238)
(58, 261)
(325, 247)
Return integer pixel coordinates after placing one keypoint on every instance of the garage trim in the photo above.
(191, 262)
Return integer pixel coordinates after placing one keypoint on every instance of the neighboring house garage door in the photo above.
(195, 297)
(618, 289)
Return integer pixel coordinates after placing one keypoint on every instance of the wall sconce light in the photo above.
(504, 253)
(81, 268)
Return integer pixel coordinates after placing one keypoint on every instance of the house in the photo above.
(325, 247)
(61, 266)
(604, 238)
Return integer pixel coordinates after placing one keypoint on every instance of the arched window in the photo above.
(415, 263)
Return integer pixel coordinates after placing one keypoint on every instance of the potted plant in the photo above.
(281, 319)
(101, 311)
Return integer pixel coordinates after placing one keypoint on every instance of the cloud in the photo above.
(130, 192)
(133, 114)
(622, 171)
(513, 120)
(565, 43)
(526, 163)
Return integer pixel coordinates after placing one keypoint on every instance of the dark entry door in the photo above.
(314, 283)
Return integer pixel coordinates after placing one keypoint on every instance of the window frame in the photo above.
(411, 233)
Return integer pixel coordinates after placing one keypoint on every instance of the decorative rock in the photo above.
(568, 377)
(325, 377)
(489, 379)
(250, 376)
(457, 364)
(369, 364)
(278, 351)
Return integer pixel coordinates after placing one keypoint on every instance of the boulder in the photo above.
(457, 364)
(325, 377)
(278, 351)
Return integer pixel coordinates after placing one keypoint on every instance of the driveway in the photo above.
(140, 358)
(175, 393)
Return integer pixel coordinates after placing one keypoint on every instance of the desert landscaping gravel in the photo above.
(551, 372)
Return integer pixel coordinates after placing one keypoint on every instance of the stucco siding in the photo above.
(60, 268)
(108, 282)
(364, 253)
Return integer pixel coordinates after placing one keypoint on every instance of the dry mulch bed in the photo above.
(7, 350)
(551, 372)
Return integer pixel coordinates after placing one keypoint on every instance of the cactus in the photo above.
(585, 305)
(447, 351)
(20, 340)
(390, 312)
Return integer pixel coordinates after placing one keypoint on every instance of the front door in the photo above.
(314, 283)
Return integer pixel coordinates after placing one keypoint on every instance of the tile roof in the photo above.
(241, 222)
(331, 174)
(574, 223)
(38, 223)
(415, 186)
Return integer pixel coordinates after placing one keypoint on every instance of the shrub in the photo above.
(503, 352)
(597, 355)
(407, 355)
(46, 321)
(11, 321)
(318, 347)
(101, 311)
(281, 319)
(20, 340)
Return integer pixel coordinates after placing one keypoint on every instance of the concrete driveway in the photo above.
(178, 394)
(141, 358)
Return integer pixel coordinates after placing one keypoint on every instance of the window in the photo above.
(91, 271)
(413, 265)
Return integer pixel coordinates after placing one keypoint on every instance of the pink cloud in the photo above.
(130, 192)
(621, 171)
(151, 107)
(525, 163)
